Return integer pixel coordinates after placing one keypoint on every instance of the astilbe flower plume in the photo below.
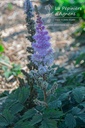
(30, 24)
(28, 8)
(43, 53)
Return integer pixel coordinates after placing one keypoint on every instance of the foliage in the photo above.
(75, 80)
(67, 3)
(15, 70)
(46, 2)
(1, 45)
(41, 102)
(80, 59)
(5, 64)
(1, 48)
(10, 7)
(66, 108)
(80, 30)
(8, 68)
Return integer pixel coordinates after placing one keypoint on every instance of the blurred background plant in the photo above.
(81, 29)
(58, 4)
(79, 34)
(10, 6)
(1, 45)
(1, 48)
(9, 69)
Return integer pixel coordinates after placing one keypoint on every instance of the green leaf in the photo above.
(70, 121)
(3, 121)
(7, 74)
(22, 124)
(16, 70)
(19, 96)
(64, 96)
(62, 124)
(75, 110)
(55, 104)
(23, 94)
(36, 119)
(78, 95)
(1, 48)
(16, 108)
(47, 123)
(29, 114)
(55, 66)
(5, 59)
(10, 6)
(79, 58)
(52, 113)
(8, 116)
(13, 105)
(82, 117)
(83, 104)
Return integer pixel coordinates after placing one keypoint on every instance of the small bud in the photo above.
(40, 103)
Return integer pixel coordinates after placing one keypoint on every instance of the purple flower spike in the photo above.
(43, 53)
(28, 8)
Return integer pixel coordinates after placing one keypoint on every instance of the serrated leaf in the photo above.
(55, 104)
(9, 103)
(78, 95)
(23, 94)
(62, 125)
(29, 114)
(16, 108)
(75, 110)
(8, 115)
(83, 104)
(82, 117)
(70, 121)
(64, 96)
(16, 70)
(13, 105)
(52, 113)
(20, 95)
(3, 121)
(22, 124)
(36, 119)
(47, 123)
(6, 118)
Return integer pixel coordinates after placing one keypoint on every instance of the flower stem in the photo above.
(45, 96)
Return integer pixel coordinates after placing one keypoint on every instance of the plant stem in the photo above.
(45, 96)
(44, 89)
